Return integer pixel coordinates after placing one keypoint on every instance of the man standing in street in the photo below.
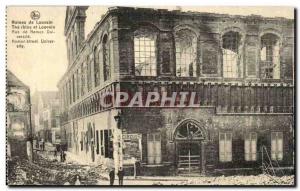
(121, 176)
(112, 177)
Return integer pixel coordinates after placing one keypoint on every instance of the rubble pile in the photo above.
(48, 171)
(45, 171)
(25, 173)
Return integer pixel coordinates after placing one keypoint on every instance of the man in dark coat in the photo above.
(112, 176)
(121, 176)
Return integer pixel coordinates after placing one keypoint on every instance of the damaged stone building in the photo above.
(18, 121)
(242, 68)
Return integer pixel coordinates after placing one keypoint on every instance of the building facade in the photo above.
(18, 121)
(45, 111)
(241, 67)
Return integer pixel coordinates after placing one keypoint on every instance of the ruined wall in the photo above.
(209, 29)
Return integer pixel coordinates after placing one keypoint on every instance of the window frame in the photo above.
(157, 155)
(96, 56)
(106, 58)
(194, 44)
(251, 152)
(269, 64)
(238, 54)
(227, 155)
(146, 33)
(275, 155)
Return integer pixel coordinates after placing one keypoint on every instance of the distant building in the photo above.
(241, 68)
(18, 124)
(46, 116)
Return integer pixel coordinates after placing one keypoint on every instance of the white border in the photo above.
(292, 3)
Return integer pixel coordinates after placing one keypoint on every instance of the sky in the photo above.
(40, 66)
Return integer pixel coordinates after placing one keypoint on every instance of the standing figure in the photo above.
(55, 153)
(61, 155)
(64, 156)
(77, 180)
(112, 176)
(121, 176)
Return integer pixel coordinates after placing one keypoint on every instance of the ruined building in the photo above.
(18, 121)
(242, 68)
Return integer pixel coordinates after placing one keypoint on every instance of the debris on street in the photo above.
(49, 172)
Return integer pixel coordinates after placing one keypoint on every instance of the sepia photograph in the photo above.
(150, 96)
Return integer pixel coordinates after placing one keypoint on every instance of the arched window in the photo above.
(106, 61)
(145, 52)
(96, 67)
(230, 50)
(189, 130)
(269, 56)
(186, 52)
(89, 74)
(83, 78)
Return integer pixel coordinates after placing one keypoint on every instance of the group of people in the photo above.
(62, 154)
(120, 176)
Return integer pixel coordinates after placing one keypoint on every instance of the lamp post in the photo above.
(118, 120)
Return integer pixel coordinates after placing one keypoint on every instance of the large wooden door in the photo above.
(188, 157)
(189, 136)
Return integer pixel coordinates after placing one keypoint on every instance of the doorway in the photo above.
(189, 137)
(189, 157)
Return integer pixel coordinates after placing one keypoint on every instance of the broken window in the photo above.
(145, 52)
(154, 148)
(270, 57)
(186, 53)
(250, 146)
(106, 60)
(230, 51)
(276, 145)
(96, 67)
(89, 75)
(225, 147)
(78, 82)
(74, 86)
(83, 74)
